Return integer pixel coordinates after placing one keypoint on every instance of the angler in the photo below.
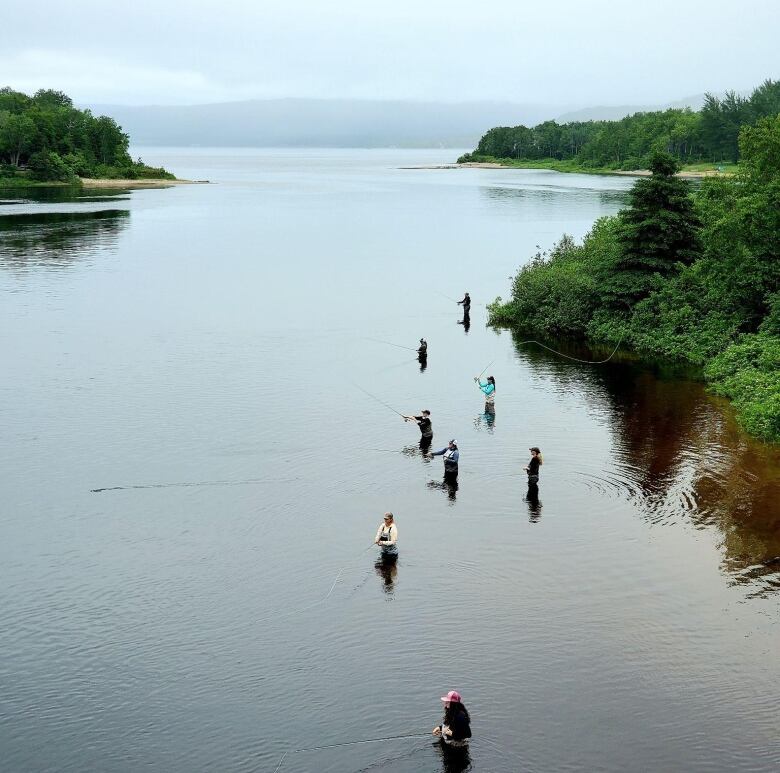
(387, 538)
(426, 429)
(489, 388)
(451, 456)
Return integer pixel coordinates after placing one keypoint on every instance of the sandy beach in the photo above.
(91, 182)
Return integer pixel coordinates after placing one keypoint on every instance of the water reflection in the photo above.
(422, 358)
(449, 485)
(60, 194)
(466, 322)
(680, 456)
(386, 568)
(55, 240)
(421, 449)
(546, 194)
(487, 419)
(534, 503)
(454, 759)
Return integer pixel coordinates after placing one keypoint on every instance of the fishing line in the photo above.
(381, 402)
(389, 343)
(569, 357)
(245, 482)
(290, 612)
(348, 743)
(396, 365)
(446, 296)
(390, 760)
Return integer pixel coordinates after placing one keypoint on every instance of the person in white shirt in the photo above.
(387, 537)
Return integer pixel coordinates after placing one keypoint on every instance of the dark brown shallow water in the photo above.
(198, 352)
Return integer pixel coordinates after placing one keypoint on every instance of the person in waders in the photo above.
(451, 456)
(422, 355)
(489, 388)
(466, 303)
(454, 733)
(387, 538)
(532, 468)
(426, 429)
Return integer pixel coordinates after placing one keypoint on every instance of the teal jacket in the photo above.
(487, 388)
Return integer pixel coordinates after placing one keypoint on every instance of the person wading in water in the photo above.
(466, 303)
(426, 429)
(451, 456)
(455, 729)
(532, 468)
(422, 355)
(489, 388)
(387, 538)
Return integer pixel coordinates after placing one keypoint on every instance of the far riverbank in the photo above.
(694, 171)
(89, 182)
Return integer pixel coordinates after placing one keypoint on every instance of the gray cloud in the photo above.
(555, 52)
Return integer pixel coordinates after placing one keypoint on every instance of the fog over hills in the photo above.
(320, 123)
(616, 112)
(342, 122)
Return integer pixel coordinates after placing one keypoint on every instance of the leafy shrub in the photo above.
(748, 372)
(79, 164)
(47, 166)
(557, 292)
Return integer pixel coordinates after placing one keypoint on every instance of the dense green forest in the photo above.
(709, 135)
(44, 138)
(692, 277)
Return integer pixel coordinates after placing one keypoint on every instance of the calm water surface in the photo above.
(198, 354)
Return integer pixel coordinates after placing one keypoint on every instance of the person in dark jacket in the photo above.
(426, 429)
(532, 468)
(455, 729)
(466, 303)
(422, 355)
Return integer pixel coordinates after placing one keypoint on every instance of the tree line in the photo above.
(709, 135)
(689, 276)
(45, 138)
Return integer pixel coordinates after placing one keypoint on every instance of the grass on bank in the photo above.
(571, 165)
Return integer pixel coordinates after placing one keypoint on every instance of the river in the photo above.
(198, 400)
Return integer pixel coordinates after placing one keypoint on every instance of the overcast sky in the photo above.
(564, 52)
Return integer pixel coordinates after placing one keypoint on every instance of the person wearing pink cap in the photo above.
(455, 730)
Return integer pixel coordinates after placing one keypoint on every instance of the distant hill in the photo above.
(321, 123)
(616, 112)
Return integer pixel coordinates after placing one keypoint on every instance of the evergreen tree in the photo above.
(658, 232)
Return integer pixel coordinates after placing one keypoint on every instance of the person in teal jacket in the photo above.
(489, 388)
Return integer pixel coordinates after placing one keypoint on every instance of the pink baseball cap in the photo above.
(452, 697)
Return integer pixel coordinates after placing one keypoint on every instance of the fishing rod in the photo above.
(487, 366)
(389, 343)
(381, 402)
(448, 297)
(349, 743)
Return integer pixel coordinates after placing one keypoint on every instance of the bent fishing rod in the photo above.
(381, 402)
(389, 343)
(485, 368)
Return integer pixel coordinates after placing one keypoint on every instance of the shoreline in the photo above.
(692, 174)
(96, 182)
(93, 182)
